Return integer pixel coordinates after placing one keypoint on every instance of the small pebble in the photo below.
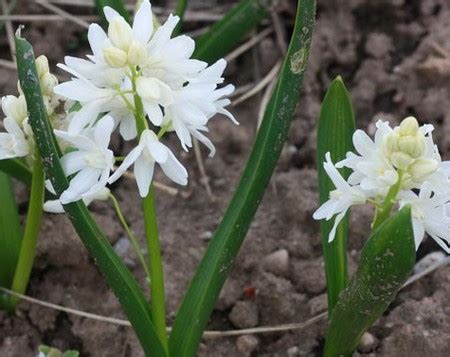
(368, 343)
(207, 235)
(247, 344)
(244, 314)
(277, 262)
(428, 260)
(293, 351)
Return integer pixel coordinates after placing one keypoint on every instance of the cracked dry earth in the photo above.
(394, 56)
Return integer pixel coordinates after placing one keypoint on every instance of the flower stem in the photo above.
(157, 293)
(33, 224)
(130, 234)
(383, 213)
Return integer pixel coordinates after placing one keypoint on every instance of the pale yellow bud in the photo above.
(42, 66)
(148, 88)
(422, 168)
(401, 160)
(154, 90)
(115, 57)
(48, 82)
(412, 145)
(137, 53)
(391, 143)
(120, 33)
(15, 107)
(409, 126)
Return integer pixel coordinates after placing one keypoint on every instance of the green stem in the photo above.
(157, 294)
(33, 224)
(383, 213)
(130, 234)
(180, 10)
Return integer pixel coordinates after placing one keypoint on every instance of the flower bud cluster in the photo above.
(407, 150)
(402, 164)
(18, 141)
(124, 49)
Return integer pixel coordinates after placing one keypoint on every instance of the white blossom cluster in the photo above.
(139, 80)
(402, 164)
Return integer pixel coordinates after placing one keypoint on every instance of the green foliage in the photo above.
(54, 352)
(334, 134)
(10, 234)
(17, 169)
(117, 5)
(117, 275)
(180, 10)
(226, 33)
(200, 299)
(386, 262)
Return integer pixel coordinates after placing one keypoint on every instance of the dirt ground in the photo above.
(394, 55)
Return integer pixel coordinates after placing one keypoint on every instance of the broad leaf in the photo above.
(200, 299)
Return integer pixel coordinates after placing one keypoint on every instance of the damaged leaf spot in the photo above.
(299, 60)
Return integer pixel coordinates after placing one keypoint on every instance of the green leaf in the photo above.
(226, 33)
(200, 299)
(386, 262)
(117, 275)
(180, 10)
(17, 169)
(117, 5)
(10, 233)
(334, 134)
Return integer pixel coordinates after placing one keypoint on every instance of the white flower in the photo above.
(429, 214)
(169, 58)
(55, 206)
(341, 199)
(197, 102)
(372, 170)
(144, 156)
(13, 143)
(15, 108)
(91, 163)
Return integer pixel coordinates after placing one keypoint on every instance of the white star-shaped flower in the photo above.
(341, 199)
(144, 157)
(91, 162)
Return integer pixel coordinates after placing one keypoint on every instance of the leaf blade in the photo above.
(334, 134)
(386, 262)
(10, 233)
(226, 33)
(199, 301)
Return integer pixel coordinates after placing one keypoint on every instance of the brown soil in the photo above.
(386, 52)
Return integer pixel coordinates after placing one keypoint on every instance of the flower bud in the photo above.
(409, 126)
(42, 66)
(115, 57)
(120, 33)
(422, 168)
(401, 160)
(148, 88)
(15, 108)
(412, 145)
(391, 143)
(137, 53)
(153, 89)
(48, 82)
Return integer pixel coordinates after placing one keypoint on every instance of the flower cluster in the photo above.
(134, 73)
(18, 141)
(138, 80)
(400, 165)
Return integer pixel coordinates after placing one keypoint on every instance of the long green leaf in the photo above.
(117, 5)
(117, 275)
(10, 233)
(386, 262)
(17, 169)
(226, 33)
(180, 10)
(200, 299)
(334, 135)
